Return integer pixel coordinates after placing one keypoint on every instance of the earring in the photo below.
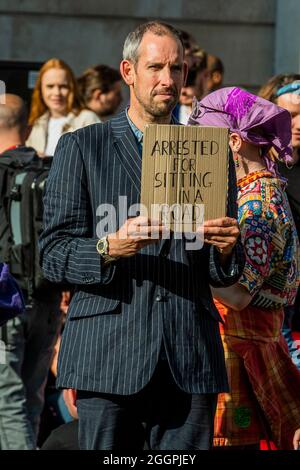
(236, 161)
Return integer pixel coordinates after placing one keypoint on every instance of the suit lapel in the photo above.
(127, 150)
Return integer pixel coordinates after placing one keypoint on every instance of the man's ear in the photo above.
(235, 142)
(127, 71)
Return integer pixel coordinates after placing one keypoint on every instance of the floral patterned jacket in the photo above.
(270, 240)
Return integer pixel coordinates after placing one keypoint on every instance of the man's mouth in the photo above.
(165, 95)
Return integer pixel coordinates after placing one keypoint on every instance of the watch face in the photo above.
(101, 246)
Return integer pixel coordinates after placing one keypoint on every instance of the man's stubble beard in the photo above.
(157, 109)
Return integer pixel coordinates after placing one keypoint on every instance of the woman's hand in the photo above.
(223, 233)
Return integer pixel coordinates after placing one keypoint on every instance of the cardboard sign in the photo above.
(184, 174)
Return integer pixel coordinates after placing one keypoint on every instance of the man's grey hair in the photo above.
(133, 40)
(13, 114)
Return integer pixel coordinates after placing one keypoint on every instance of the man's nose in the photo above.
(166, 77)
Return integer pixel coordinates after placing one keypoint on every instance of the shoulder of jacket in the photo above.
(95, 130)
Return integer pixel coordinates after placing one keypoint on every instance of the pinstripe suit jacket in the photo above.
(120, 316)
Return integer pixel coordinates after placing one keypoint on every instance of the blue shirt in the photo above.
(139, 135)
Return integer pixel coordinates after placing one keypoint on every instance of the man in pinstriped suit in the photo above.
(141, 343)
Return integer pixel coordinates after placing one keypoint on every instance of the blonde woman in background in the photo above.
(56, 107)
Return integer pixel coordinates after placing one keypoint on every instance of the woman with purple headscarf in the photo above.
(264, 382)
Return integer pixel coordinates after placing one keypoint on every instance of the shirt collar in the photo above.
(137, 132)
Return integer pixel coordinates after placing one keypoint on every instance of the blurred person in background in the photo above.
(215, 74)
(284, 90)
(199, 68)
(189, 44)
(188, 91)
(101, 90)
(196, 58)
(56, 107)
(194, 86)
(29, 338)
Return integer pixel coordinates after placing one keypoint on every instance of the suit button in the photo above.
(158, 298)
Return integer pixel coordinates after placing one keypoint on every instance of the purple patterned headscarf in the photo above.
(255, 119)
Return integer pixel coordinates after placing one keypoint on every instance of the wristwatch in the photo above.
(103, 248)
